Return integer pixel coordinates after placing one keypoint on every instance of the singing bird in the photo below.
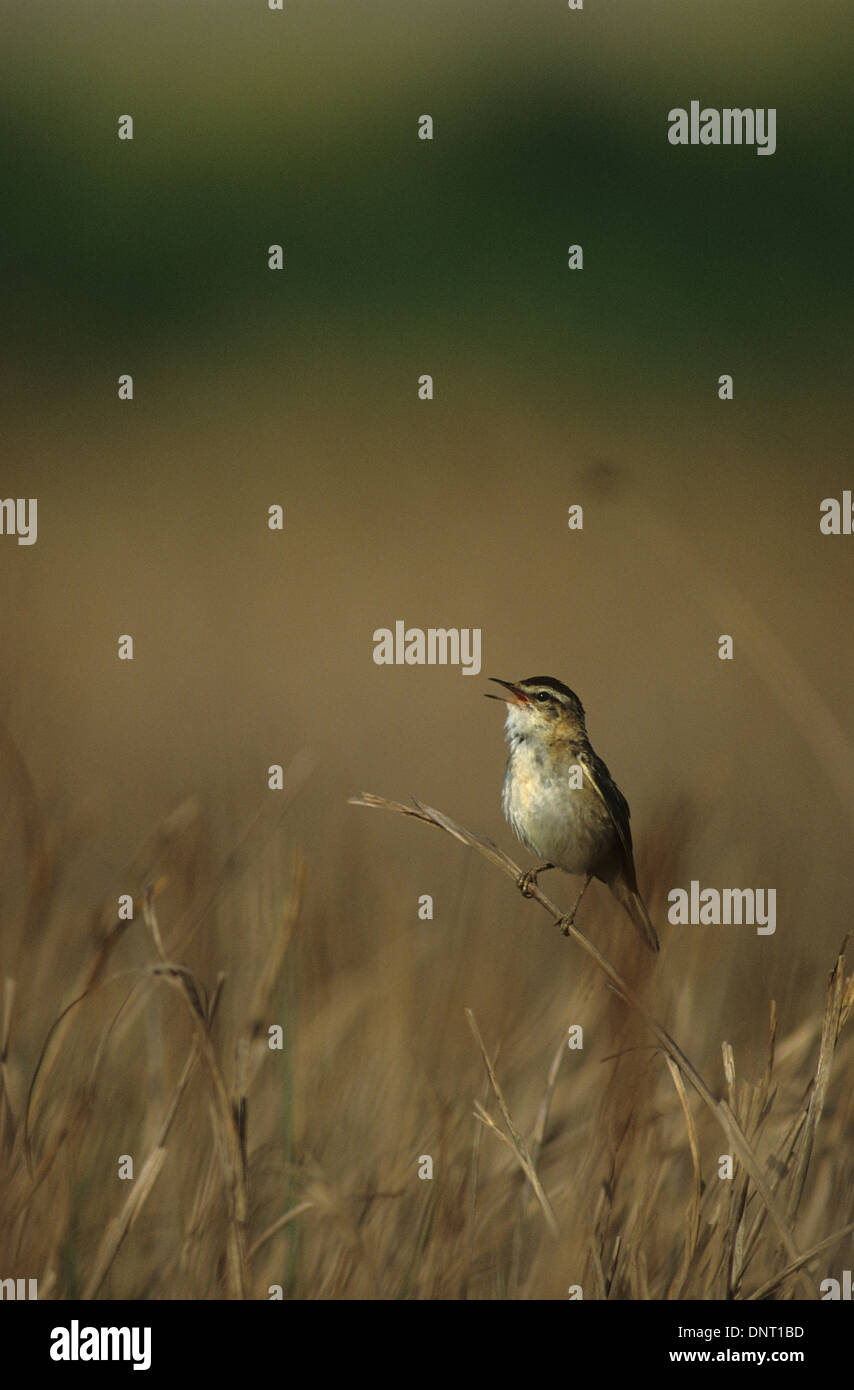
(562, 801)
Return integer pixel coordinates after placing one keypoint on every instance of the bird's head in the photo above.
(540, 706)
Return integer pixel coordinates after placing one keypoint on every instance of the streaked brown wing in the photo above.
(611, 797)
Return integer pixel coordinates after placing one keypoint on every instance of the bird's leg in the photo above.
(527, 882)
(566, 922)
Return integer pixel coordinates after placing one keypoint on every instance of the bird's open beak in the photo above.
(516, 696)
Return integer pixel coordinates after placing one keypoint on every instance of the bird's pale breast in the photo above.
(565, 825)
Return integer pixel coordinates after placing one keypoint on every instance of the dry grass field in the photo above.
(298, 1166)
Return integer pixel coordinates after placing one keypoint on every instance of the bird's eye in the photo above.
(542, 696)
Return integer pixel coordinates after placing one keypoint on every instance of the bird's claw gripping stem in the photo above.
(527, 882)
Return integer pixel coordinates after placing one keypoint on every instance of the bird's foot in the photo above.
(527, 882)
(568, 919)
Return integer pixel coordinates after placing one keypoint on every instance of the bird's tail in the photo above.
(634, 905)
